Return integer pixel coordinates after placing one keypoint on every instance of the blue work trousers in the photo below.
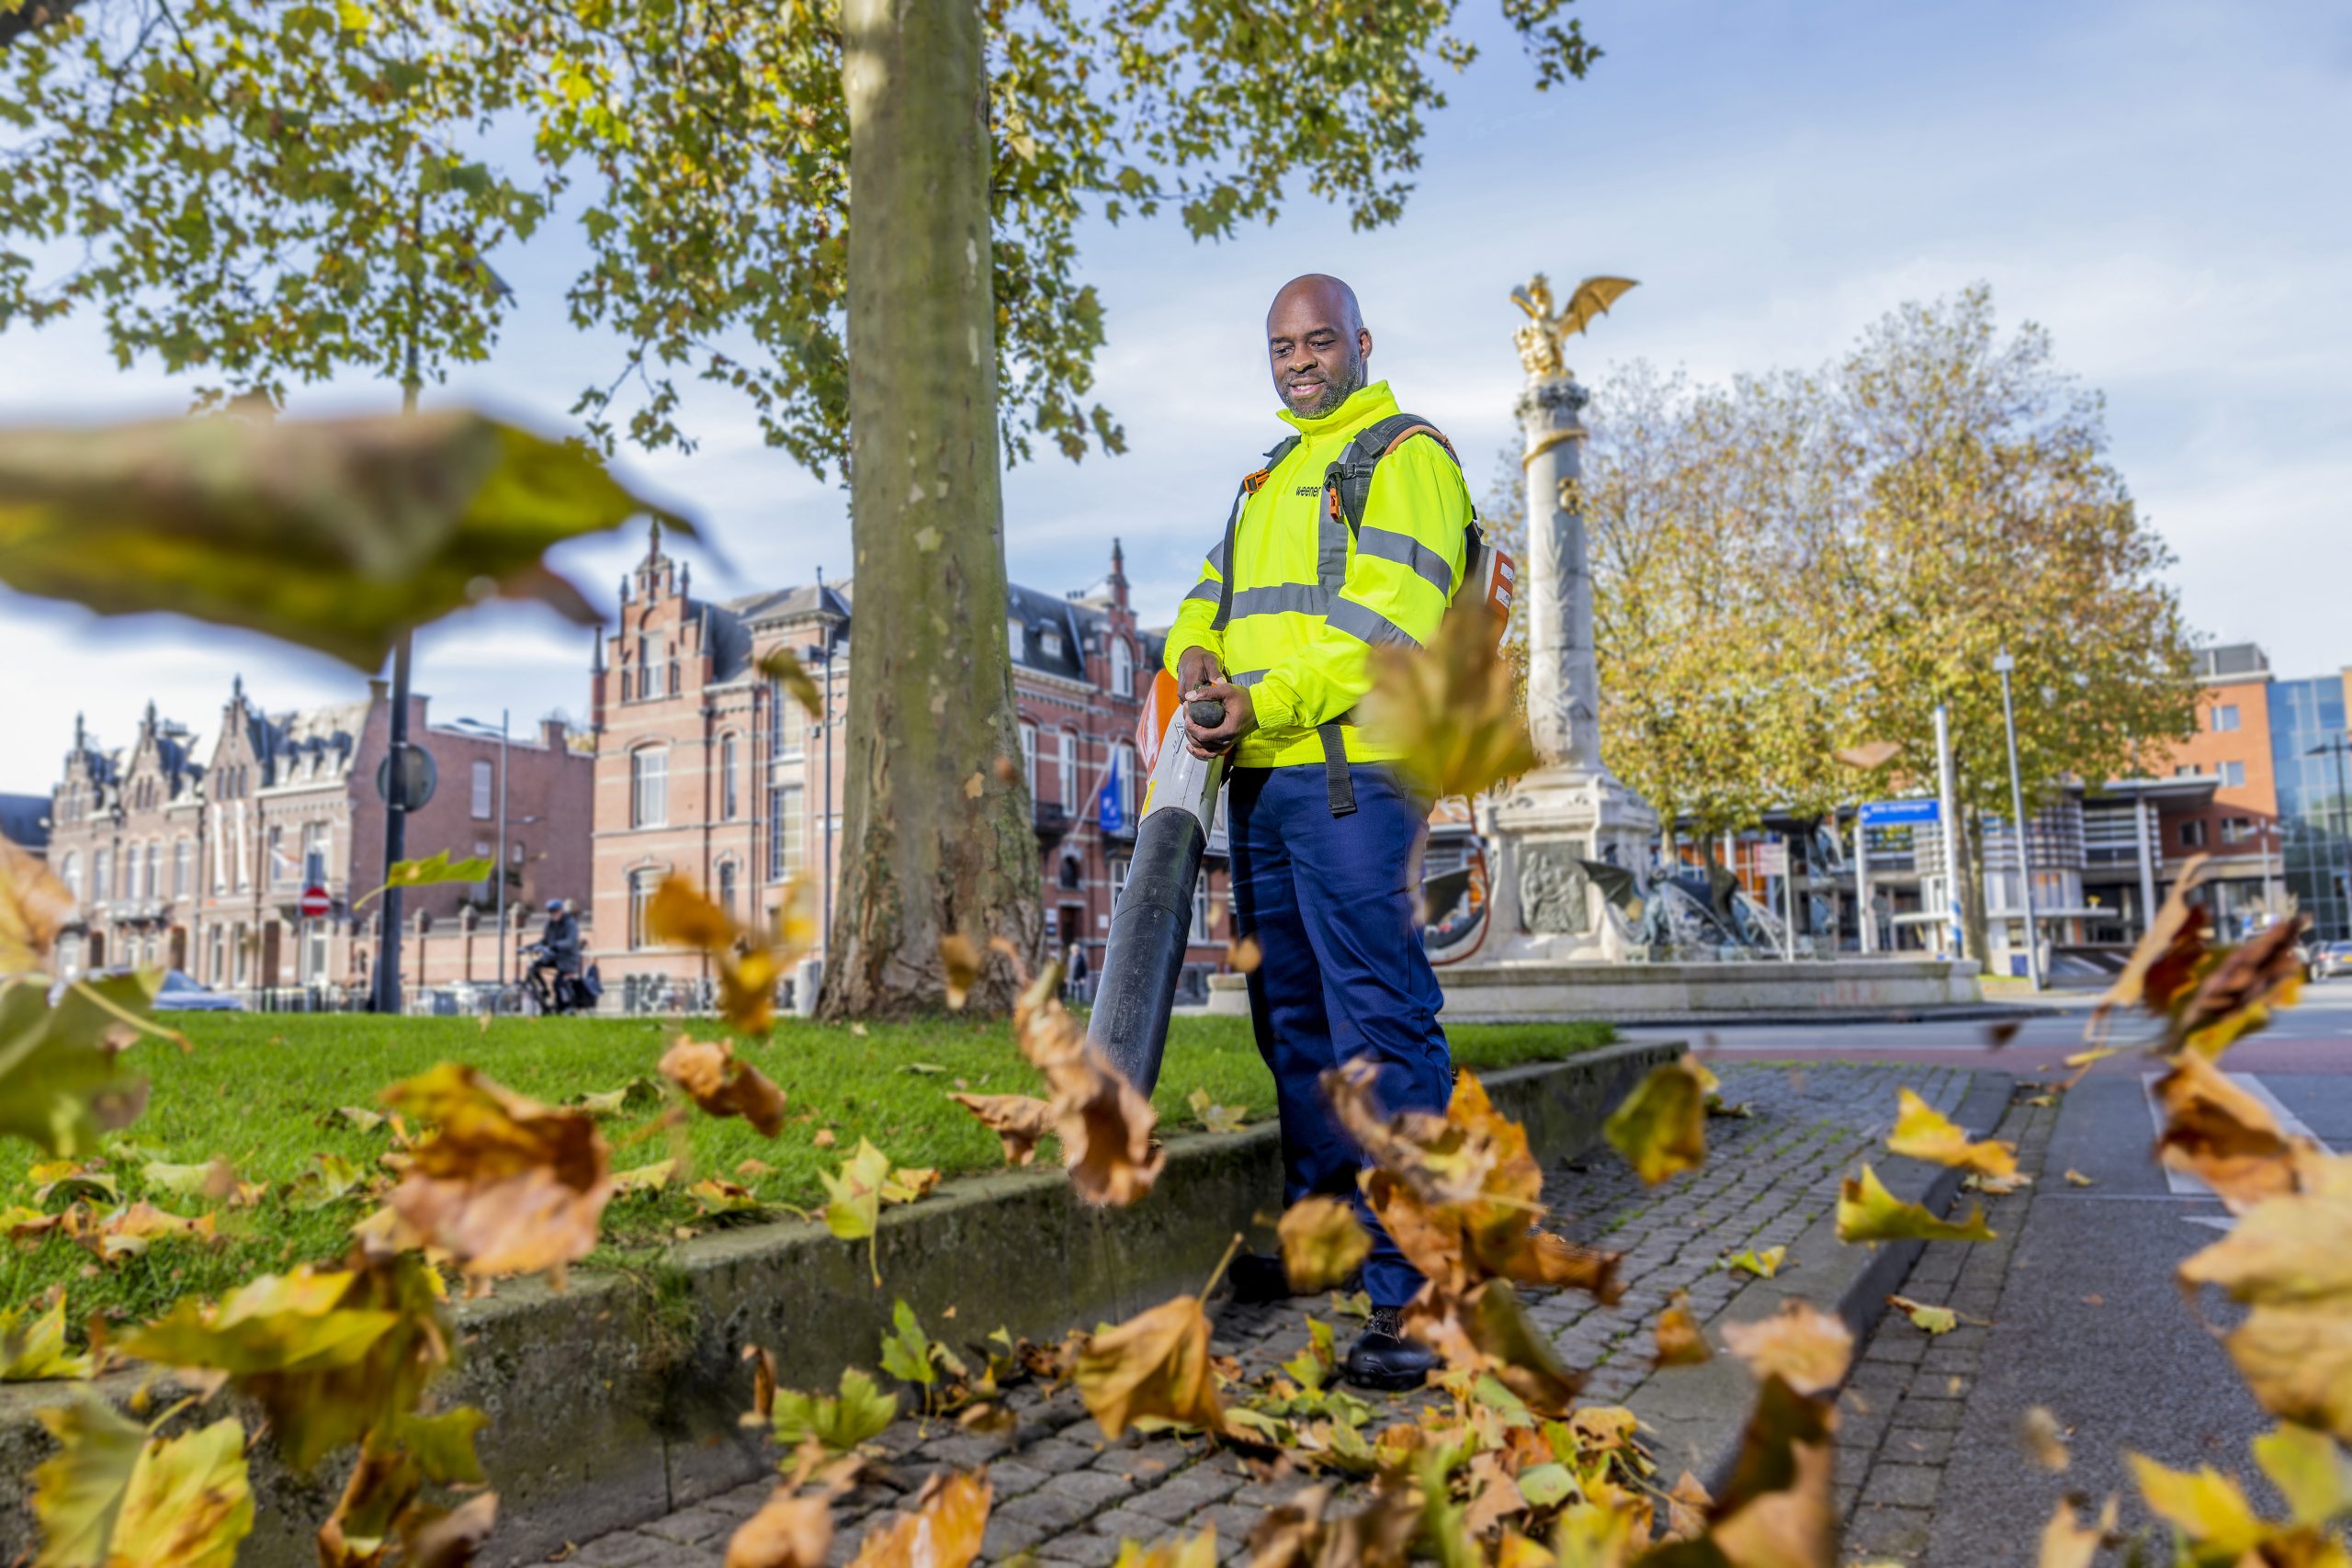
(1341, 971)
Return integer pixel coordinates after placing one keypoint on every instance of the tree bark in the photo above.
(936, 838)
(1970, 865)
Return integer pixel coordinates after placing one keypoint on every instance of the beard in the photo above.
(1337, 389)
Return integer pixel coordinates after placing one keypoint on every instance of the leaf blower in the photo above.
(1146, 956)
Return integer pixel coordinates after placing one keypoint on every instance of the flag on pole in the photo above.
(1109, 815)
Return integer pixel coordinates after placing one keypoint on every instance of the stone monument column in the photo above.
(1542, 906)
(1557, 582)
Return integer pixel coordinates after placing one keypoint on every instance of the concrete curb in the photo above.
(1699, 1411)
(616, 1401)
(1956, 1012)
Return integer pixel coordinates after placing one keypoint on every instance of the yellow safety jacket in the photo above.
(1310, 598)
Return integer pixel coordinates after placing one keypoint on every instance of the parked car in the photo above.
(2332, 958)
(180, 993)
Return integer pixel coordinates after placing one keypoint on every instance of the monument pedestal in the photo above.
(1541, 906)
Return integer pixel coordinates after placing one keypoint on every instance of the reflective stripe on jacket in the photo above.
(1309, 601)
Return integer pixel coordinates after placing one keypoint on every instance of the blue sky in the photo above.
(2164, 186)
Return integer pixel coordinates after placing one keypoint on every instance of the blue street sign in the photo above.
(1107, 814)
(1897, 813)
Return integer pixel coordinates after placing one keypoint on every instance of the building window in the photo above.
(2192, 835)
(788, 724)
(783, 832)
(1066, 764)
(239, 955)
(101, 876)
(2234, 775)
(1029, 758)
(1201, 908)
(217, 958)
(728, 804)
(1126, 758)
(727, 888)
(1123, 668)
(1118, 883)
(641, 885)
(1069, 877)
(72, 874)
(130, 872)
(2225, 717)
(183, 859)
(1049, 644)
(154, 870)
(2237, 830)
(1016, 637)
(314, 855)
(649, 655)
(281, 865)
(481, 790)
(648, 787)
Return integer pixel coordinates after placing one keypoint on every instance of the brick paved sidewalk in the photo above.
(1901, 1409)
(1064, 1494)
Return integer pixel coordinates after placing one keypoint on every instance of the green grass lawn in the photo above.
(256, 1088)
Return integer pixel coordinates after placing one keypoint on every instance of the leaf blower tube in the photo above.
(1148, 929)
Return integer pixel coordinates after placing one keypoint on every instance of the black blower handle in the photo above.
(1206, 714)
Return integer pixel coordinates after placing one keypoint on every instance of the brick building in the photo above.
(705, 769)
(195, 857)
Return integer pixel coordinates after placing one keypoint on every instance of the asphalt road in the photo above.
(2091, 1324)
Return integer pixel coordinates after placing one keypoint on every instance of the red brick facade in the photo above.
(198, 864)
(705, 768)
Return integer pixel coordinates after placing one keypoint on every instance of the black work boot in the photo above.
(1385, 1360)
(1257, 1279)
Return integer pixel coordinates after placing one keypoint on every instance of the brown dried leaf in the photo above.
(2043, 1440)
(723, 1085)
(1018, 1120)
(1305, 1532)
(504, 1185)
(2066, 1544)
(2167, 954)
(1486, 1330)
(1104, 1125)
(961, 956)
(787, 1532)
(1323, 1243)
(782, 666)
(1661, 1129)
(951, 1515)
(1679, 1342)
(1805, 1347)
(34, 906)
(2221, 1134)
(2237, 996)
(1451, 710)
(1244, 954)
(751, 963)
(1154, 1367)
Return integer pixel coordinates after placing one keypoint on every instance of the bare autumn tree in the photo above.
(917, 337)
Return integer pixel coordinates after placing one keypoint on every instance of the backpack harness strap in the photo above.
(1347, 489)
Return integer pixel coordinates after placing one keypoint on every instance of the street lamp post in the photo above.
(2004, 664)
(2334, 745)
(478, 727)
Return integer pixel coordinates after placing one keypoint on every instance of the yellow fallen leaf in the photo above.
(1679, 1342)
(1661, 1129)
(2066, 1544)
(114, 1495)
(1805, 1347)
(787, 1532)
(1154, 1367)
(1214, 1118)
(1934, 1319)
(2076, 1178)
(951, 1515)
(1322, 1242)
(1868, 1212)
(1763, 1264)
(1923, 1132)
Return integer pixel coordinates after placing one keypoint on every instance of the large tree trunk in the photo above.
(1974, 933)
(936, 839)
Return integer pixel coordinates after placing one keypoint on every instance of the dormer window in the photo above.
(1050, 643)
(1123, 668)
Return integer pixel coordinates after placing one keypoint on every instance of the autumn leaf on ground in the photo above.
(504, 1184)
(2043, 1440)
(1763, 1264)
(328, 1354)
(1679, 1342)
(1921, 1132)
(63, 1085)
(356, 1118)
(2065, 1543)
(1802, 1344)
(1212, 1117)
(639, 1093)
(34, 906)
(1152, 1367)
(1450, 711)
(2076, 1178)
(1019, 1120)
(131, 1229)
(1868, 1212)
(431, 871)
(1486, 1330)
(32, 1345)
(857, 1413)
(951, 1515)
(337, 534)
(1934, 1319)
(1309, 1531)
(644, 1178)
(750, 963)
(114, 1495)
(788, 1531)
(1323, 1243)
(1661, 1129)
(1175, 1551)
(723, 1084)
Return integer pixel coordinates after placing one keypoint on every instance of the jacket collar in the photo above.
(1365, 405)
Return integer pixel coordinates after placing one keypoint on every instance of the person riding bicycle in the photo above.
(562, 938)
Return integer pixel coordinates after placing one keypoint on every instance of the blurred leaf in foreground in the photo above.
(336, 535)
(951, 1515)
(32, 1345)
(433, 869)
(1921, 1132)
(750, 963)
(1661, 1129)
(723, 1085)
(34, 906)
(1868, 1212)
(1452, 708)
(63, 1085)
(1155, 1367)
(113, 1496)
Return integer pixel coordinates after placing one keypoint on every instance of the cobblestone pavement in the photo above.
(1067, 1496)
(1901, 1409)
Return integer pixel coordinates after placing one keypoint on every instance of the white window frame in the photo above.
(1118, 864)
(1123, 668)
(787, 831)
(648, 787)
(1065, 760)
(485, 780)
(2225, 717)
(641, 885)
(2232, 776)
(1029, 756)
(1127, 755)
(729, 803)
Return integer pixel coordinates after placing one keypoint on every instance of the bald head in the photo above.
(1317, 345)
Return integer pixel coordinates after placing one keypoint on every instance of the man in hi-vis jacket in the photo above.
(1324, 836)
